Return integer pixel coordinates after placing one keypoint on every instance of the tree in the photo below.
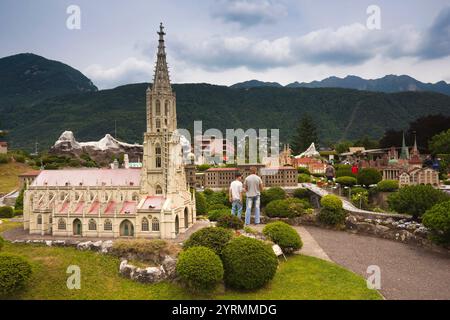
(343, 146)
(369, 176)
(366, 143)
(305, 135)
(440, 143)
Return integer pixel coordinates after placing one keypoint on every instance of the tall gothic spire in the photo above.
(405, 151)
(161, 80)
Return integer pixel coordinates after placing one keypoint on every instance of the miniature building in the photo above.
(3, 147)
(150, 202)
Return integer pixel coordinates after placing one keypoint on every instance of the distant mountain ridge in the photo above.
(388, 84)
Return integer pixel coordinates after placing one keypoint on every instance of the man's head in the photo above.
(253, 170)
(238, 176)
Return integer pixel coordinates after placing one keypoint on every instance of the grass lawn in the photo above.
(9, 175)
(7, 224)
(301, 277)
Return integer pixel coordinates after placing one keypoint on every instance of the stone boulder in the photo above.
(169, 265)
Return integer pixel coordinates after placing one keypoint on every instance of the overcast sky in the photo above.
(224, 42)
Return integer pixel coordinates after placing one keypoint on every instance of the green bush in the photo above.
(248, 263)
(303, 170)
(301, 193)
(14, 274)
(2, 243)
(361, 199)
(200, 203)
(211, 237)
(216, 198)
(200, 268)
(415, 200)
(214, 215)
(18, 212)
(387, 185)
(437, 219)
(230, 222)
(19, 201)
(284, 235)
(271, 194)
(369, 176)
(6, 212)
(287, 208)
(218, 206)
(4, 158)
(303, 178)
(331, 217)
(346, 181)
(447, 182)
(331, 202)
(345, 172)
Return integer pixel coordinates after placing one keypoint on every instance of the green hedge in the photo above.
(271, 194)
(331, 202)
(303, 178)
(248, 263)
(6, 212)
(369, 176)
(230, 222)
(214, 215)
(287, 208)
(437, 219)
(387, 185)
(346, 181)
(2, 243)
(199, 268)
(284, 235)
(211, 237)
(301, 193)
(14, 274)
(200, 203)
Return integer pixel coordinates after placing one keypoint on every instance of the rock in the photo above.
(169, 265)
(84, 245)
(97, 246)
(48, 243)
(127, 270)
(351, 222)
(106, 246)
(149, 275)
(59, 243)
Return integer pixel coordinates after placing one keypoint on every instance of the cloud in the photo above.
(249, 12)
(131, 70)
(436, 42)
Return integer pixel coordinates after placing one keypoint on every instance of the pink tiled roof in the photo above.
(128, 207)
(153, 202)
(88, 177)
(221, 169)
(32, 173)
(110, 207)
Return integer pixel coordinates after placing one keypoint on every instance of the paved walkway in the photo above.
(407, 272)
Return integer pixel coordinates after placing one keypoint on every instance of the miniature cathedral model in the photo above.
(152, 202)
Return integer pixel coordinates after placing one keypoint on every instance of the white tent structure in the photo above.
(309, 153)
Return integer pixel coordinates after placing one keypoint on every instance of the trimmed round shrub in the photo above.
(248, 263)
(211, 237)
(415, 200)
(287, 208)
(284, 235)
(447, 182)
(345, 172)
(437, 219)
(274, 193)
(230, 222)
(331, 217)
(303, 178)
(15, 272)
(200, 203)
(346, 181)
(331, 202)
(387, 185)
(214, 215)
(6, 212)
(199, 268)
(369, 176)
(301, 193)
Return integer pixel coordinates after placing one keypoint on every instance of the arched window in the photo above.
(92, 225)
(158, 108)
(107, 226)
(159, 190)
(158, 156)
(166, 108)
(62, 196)
(144, 225)
(39, 219)
(158, 124)
(155, 224)
(61, 224)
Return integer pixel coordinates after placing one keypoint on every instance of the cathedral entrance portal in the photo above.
(126, 229)
(77, 227)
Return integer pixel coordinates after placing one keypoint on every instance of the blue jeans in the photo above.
(252, 201)
(236, 208)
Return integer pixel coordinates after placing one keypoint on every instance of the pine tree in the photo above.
(305, 135)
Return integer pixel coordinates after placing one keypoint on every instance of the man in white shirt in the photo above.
(253, 186)
(235, 196)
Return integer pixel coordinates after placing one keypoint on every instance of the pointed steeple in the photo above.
(405, 151)
(415, 149)
(161, 80)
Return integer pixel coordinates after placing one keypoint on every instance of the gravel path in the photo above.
(407, 272)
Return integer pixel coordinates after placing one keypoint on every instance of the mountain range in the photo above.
(389, 84)
(41, 98)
